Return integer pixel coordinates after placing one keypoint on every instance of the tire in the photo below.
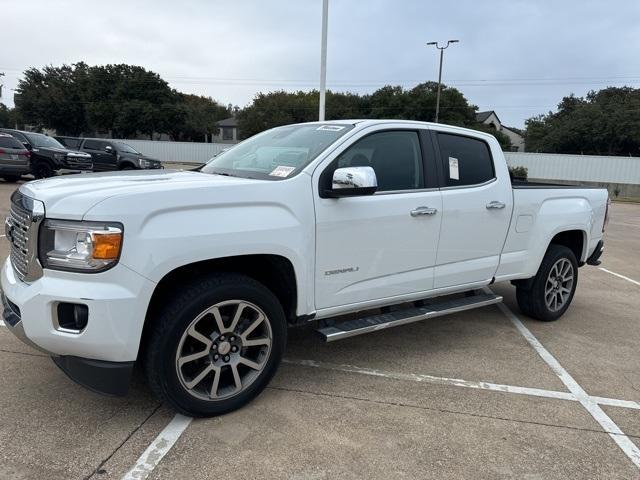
(11, 178)
(127, 166)
(550, 293)
(187, 339)
(42, 170)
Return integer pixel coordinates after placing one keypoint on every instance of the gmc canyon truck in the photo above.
(354, 225)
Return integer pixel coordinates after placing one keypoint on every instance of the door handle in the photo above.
(495, 205)
(420, 211)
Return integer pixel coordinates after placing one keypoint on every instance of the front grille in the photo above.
(22, 231)
(79, 163)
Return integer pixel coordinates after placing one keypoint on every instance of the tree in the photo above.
(606, 122)
(5, 116)
(200, 115)
(52, 98)
(122, 100)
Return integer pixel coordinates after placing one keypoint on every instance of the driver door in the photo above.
(375, 249)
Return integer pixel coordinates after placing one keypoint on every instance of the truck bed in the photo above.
(520, 184)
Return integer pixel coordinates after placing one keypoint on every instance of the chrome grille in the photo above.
(80, 163)
(21, 228)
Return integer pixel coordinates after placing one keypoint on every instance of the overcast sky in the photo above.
(516, 57)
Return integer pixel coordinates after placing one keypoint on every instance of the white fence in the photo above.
(578, 168)
(183, 152)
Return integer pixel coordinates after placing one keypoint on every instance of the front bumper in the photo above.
(102, 355)
(117, 301)
(109, 378)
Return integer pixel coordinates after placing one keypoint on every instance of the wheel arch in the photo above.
(126, 163)
(574, 240)
(275, 272)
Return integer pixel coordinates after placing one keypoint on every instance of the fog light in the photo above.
(72, 316)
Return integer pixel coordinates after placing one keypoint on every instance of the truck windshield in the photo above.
(277, 153)
(40, 140)
(125, 148)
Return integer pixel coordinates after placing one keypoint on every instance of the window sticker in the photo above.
(330, 128)
(454, 174)
(282, 171)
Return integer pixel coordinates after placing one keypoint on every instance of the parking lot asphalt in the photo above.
(468, 395)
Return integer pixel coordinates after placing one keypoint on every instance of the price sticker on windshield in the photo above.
(454, 174)
(282, 171)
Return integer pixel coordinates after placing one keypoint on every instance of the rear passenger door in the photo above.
(476, 205)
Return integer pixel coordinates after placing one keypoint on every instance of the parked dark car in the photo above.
(48, 156)
(116, 155)
(14, 158)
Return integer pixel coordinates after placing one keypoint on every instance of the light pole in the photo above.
(442, 49)
(323, 59)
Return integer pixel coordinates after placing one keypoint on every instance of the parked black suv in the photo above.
(115, 155)
(48, 156)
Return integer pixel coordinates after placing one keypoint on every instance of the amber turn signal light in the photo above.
(106, 246)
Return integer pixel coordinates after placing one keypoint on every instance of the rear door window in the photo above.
(10, 142)
(465, 160)
(91, 145)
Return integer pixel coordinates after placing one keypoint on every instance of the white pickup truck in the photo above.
(354, 225)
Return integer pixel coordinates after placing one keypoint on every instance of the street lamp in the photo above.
(323, 59)
(442, 49)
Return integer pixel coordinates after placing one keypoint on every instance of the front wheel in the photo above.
(216, 345)
(42, 170)
(553, 287)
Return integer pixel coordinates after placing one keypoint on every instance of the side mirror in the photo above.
(27, 145)
(353, 181)
(108, 149)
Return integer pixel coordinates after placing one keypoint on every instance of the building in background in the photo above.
(228, 131)
(491, 118)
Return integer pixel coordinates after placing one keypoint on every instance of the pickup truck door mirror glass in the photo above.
(27, 145)
(352, 181)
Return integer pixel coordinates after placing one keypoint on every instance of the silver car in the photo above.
(15, 159)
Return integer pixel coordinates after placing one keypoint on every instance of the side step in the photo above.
(359, 326)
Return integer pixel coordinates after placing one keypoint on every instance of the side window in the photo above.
(395, 156)
(465, 160)
(18, 136)
(91, 145)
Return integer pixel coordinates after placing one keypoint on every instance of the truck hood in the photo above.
(59, 150)
(71, 196)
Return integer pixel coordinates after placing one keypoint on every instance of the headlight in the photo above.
(144, 163)
(79, 246)
(60, 156)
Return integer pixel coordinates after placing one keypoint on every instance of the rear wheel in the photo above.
(216, 345)
(11, 178)
(553, 287)
(42, 170)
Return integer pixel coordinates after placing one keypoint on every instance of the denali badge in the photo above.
(342, 270)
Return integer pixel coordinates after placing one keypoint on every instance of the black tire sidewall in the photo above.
(538, 304)
(231, 288)
(42, 170)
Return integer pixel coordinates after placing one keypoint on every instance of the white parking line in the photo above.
(620, 276)
(2, 323)
(158, 448)
(588, 402)
(456, 382)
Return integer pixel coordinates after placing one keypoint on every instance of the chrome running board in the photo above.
(373, 323)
